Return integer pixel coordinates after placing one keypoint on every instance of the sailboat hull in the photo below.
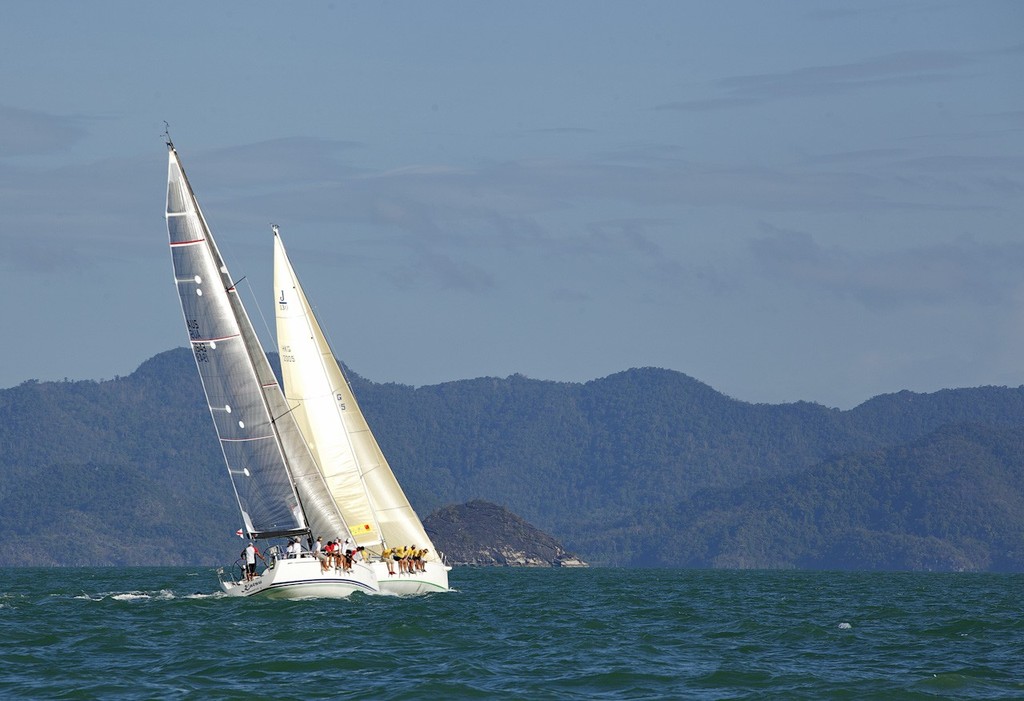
(435, 578)
(302, 578)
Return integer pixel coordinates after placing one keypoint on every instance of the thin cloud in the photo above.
(508, 205)
(961, 271)
(1012, 50)
(65, 219)
(564, 295)
(896, 69)
(33, 133)
(834, 13)
(708, 105)
(1015, 117)
(561, 130)
(280, 163)
(859, 157)
(433, 269)
(509, 197)
(535, 207)
(955, 163)
(41, 256)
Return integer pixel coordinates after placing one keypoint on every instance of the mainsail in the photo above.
(279, 488)
(356, 472)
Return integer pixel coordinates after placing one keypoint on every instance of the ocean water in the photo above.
(165, 633)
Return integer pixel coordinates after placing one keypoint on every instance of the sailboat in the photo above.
(280, 490)
(357, 474)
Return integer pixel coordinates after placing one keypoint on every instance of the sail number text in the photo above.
(198, 348)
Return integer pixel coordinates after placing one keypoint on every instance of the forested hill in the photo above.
(951, 500)
(646, 466)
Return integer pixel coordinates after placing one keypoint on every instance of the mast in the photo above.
(276, 483)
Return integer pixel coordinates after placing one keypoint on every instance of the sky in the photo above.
(818, 201)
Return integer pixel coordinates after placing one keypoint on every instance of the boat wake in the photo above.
(159, 595)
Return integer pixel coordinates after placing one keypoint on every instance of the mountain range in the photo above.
(646, 467)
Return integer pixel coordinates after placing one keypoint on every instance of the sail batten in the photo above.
(216, 339)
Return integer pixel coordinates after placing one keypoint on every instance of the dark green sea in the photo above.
(164, 633)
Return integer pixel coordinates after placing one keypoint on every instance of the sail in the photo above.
(276, 481)
(358, 475)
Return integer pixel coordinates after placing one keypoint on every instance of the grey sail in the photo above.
(277, 484)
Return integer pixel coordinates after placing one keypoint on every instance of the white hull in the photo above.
(300, 578)
(435, 578)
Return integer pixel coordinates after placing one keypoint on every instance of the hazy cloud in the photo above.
(961, 271)
(442, 221)
(533, 205)
(902, 68)
(31, 132)
(1015, 117)
(64, 219)
(433, 269)
(287, 163)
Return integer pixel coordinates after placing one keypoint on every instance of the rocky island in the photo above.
(483, 534)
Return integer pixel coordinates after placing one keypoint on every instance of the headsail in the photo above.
(279, 489)
(356, 471)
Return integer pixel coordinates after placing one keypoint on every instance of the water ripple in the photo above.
(530, 634)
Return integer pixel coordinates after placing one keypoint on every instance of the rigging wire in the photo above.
(259, 308)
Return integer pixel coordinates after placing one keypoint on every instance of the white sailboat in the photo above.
(281, 492)
(357, 474)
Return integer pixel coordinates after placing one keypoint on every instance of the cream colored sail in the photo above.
(357, 473)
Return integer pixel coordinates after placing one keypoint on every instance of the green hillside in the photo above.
(952, 500)
(646, 467)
